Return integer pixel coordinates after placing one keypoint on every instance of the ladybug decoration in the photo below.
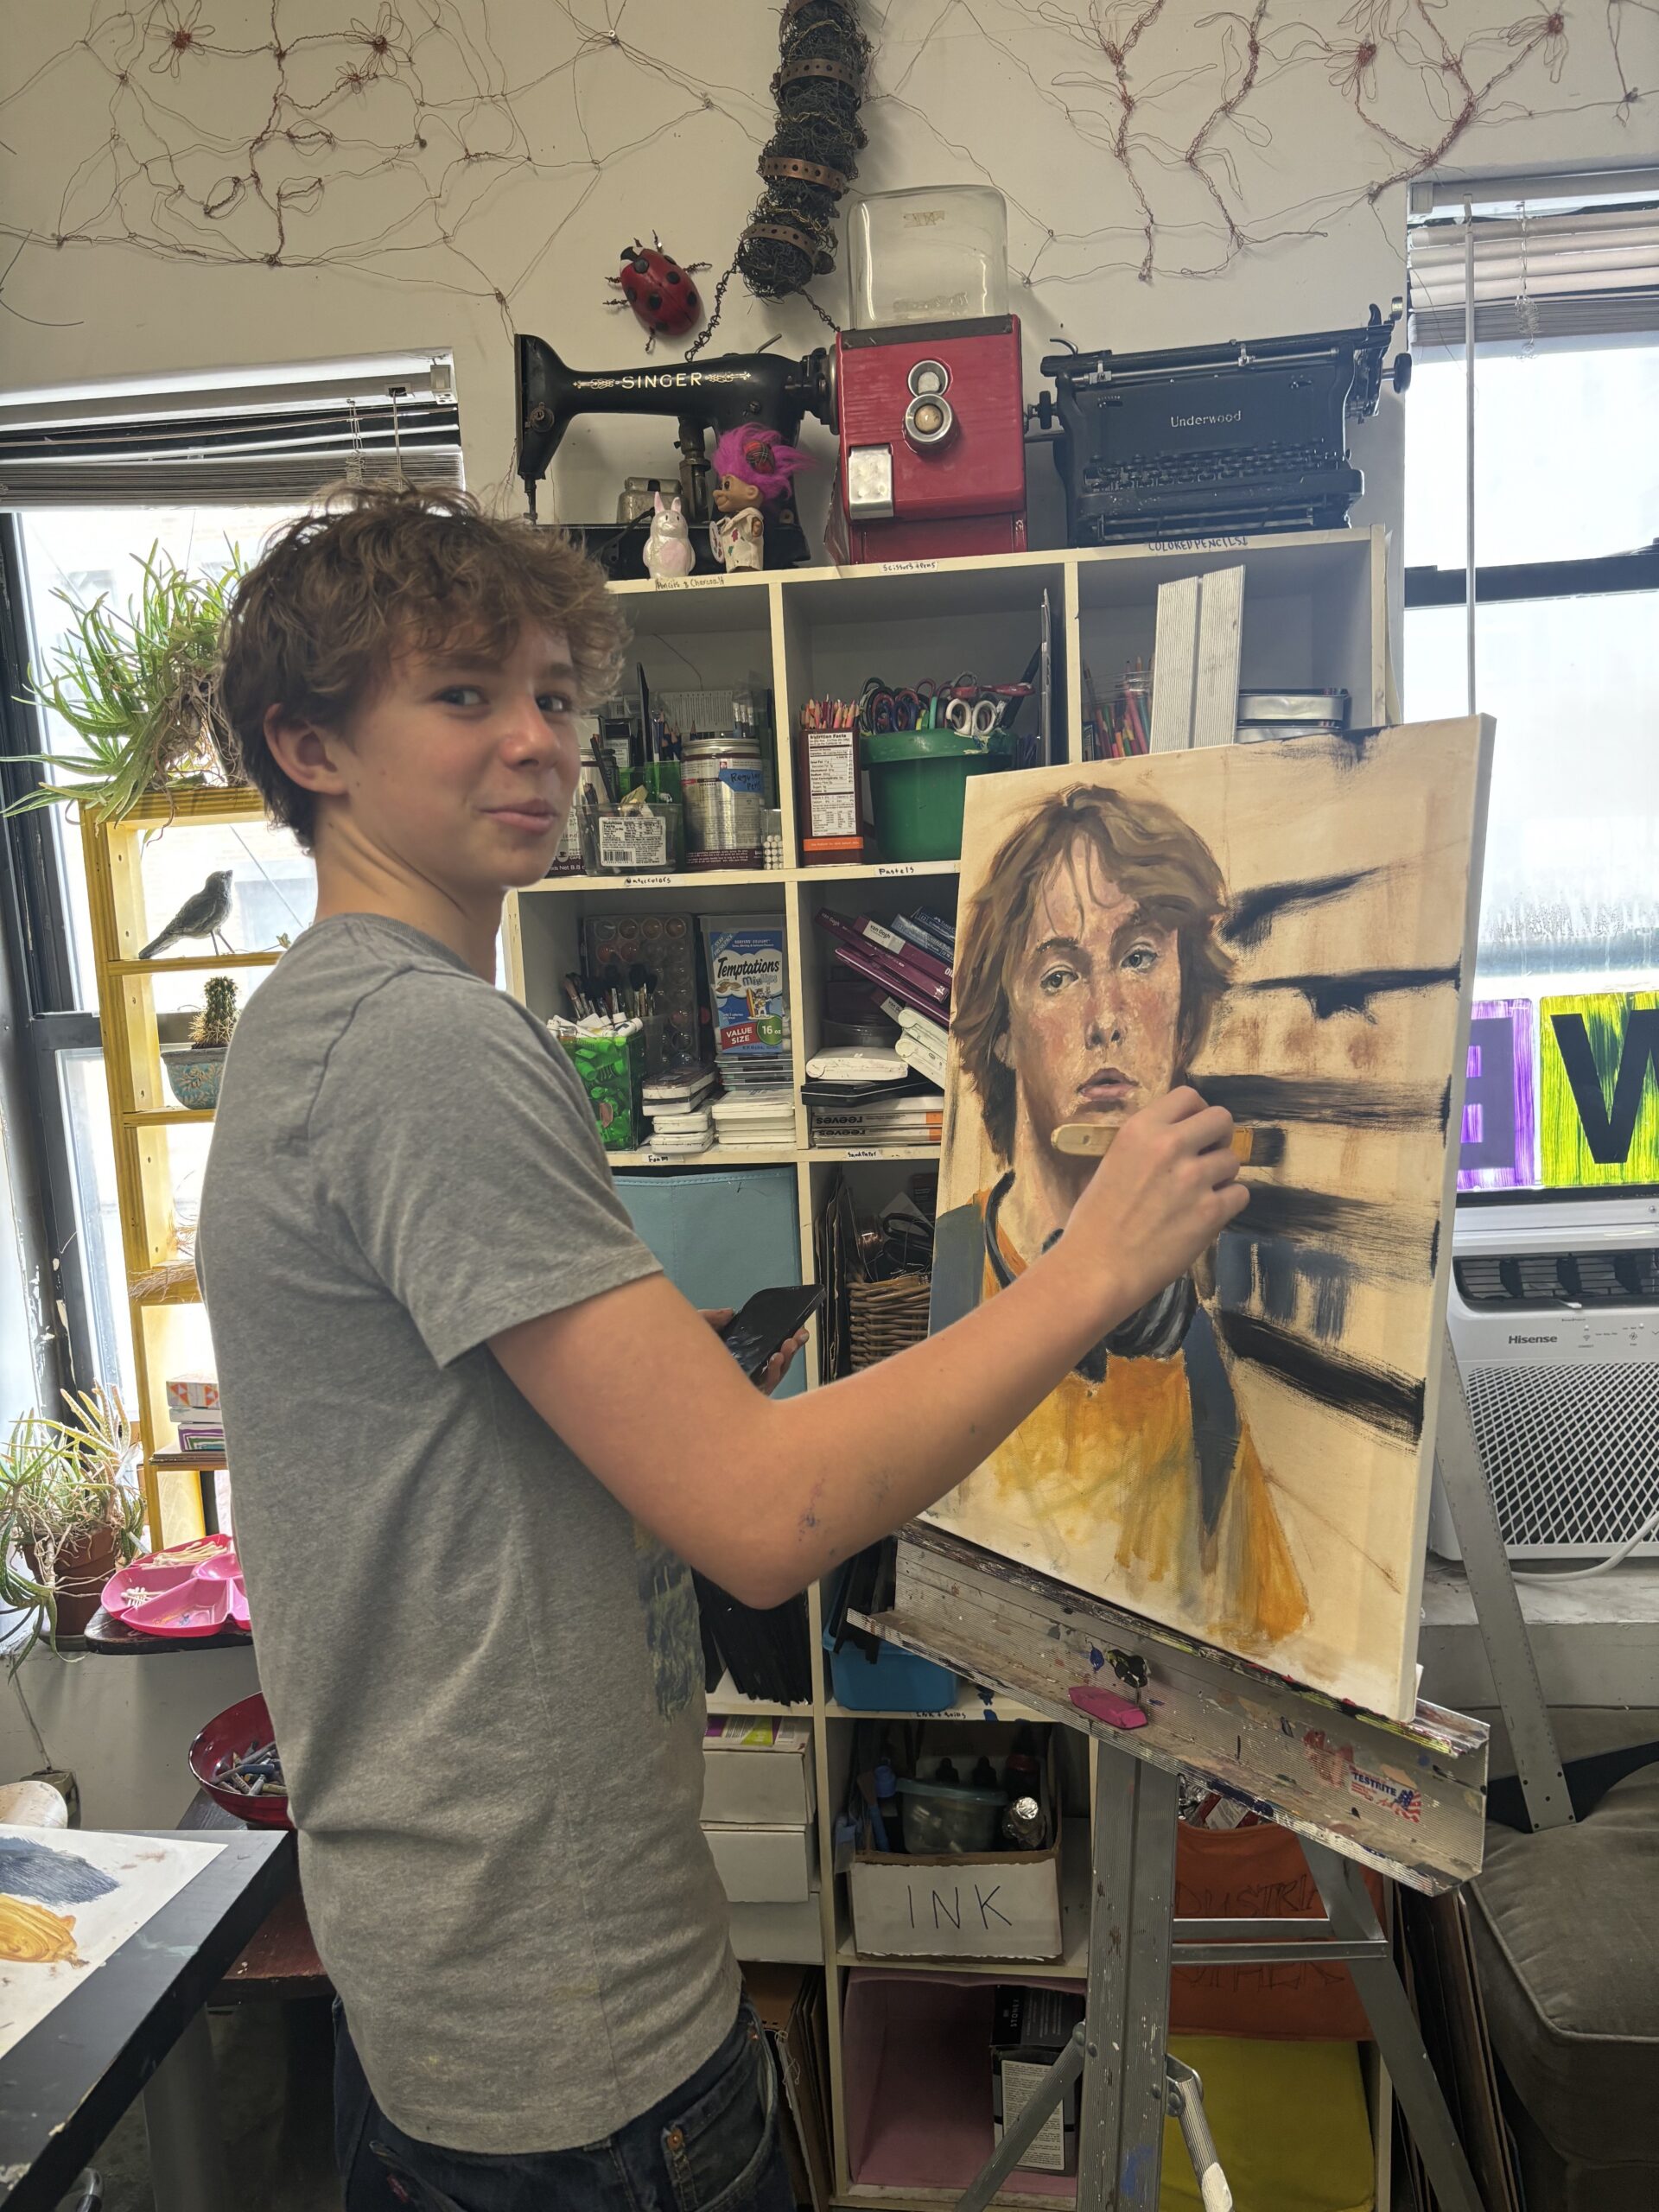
(659, 289)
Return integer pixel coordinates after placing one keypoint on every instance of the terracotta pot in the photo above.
(83, 1567)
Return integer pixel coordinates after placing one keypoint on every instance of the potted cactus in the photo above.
(194, 1070)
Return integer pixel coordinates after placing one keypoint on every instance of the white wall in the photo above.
(486, 178)
(509, 150)
(124, 1726)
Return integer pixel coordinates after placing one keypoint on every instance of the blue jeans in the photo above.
(712, 2145)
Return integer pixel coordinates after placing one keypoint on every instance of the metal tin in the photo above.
(723, 784)
(1327, 707)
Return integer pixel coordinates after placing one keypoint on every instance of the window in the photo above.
(93, 478)
(1566, 501)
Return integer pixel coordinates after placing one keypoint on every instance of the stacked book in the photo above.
(678, 1113)
(889, 1096)
(193, 1405)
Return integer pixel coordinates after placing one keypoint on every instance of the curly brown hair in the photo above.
(1154, 856)
(375, 570)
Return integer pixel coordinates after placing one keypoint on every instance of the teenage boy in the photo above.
(478, 1437)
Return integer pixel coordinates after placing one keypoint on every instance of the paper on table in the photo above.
(67, 1903)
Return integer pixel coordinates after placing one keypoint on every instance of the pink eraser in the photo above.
(1105, 1705)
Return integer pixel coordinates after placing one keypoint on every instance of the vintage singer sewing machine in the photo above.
(715, 394)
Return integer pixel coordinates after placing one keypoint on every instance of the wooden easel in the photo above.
(1405, 1798)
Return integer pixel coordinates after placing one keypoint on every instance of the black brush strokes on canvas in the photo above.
(1380, 1396)
(1352, 992)
(1288, 1283)
(1252, 913)
(48, 1875)
(1255, 1098)
(1393, 1241)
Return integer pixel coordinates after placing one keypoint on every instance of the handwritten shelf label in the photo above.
(896, 868)
(906, 568)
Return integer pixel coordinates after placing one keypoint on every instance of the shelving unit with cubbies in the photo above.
(1314, 615)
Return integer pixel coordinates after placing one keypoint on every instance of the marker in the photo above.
(1093, 1140)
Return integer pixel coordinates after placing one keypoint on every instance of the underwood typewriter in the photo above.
(1242, 438)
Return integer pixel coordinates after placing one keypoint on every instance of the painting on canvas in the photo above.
(1289, 926)
(67, 1903)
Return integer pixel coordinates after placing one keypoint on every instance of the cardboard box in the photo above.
(1030, 2028)
(764, 1865)
(996, 1904)
(758, 1773)
(192, 1394)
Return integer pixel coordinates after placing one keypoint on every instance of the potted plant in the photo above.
(69, 1514)
(194, 1070)
(139, 691)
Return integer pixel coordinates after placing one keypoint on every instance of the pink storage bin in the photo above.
(916, 2059)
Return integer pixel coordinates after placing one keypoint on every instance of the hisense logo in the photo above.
(1532, 1341)
(1205, 422)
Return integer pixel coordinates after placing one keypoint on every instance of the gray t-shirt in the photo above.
(485, 1677)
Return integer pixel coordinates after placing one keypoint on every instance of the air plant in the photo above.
(139, 691)
(63, 1484)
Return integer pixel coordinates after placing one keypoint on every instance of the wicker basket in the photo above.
(888, 1316)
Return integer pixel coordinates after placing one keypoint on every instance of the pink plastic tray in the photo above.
(192, 1590)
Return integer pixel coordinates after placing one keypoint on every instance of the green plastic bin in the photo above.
(919, 779)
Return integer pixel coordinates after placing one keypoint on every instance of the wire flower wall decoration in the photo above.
(450, 144)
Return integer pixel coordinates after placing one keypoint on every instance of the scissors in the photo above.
(975, 722)
(883, 709)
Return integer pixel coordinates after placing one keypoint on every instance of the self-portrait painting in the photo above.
(1289, 927)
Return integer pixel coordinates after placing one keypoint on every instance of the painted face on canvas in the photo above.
(1094, 1000)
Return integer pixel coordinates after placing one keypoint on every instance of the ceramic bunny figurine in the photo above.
(668, 548)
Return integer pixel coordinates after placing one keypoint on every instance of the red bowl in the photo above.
(237, 1729)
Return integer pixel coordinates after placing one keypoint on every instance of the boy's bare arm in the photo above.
(766, 1497)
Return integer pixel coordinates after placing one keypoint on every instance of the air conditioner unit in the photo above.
(1555, 1316)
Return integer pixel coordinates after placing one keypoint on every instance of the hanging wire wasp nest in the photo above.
(809, 160)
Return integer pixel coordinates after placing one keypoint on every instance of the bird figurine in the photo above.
(203, 914)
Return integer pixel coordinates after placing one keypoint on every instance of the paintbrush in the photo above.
(1093, 1140)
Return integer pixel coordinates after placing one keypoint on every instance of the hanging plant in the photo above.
(809, 160)
(139, 691)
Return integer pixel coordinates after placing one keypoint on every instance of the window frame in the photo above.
(48, 1022)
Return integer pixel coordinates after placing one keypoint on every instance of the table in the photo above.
(138, 2024)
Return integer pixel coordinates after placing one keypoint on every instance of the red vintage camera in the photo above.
(931, 420)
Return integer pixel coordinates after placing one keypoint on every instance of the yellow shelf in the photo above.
(190, 963)
(183, 1291)
(214, 802)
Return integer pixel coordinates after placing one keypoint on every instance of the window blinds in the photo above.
(249, 441)
(1590, 272)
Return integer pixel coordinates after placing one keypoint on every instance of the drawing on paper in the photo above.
(1286, 926)
(67, 1903)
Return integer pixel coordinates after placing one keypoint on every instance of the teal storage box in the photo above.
(722, 1234)
(893, 1681)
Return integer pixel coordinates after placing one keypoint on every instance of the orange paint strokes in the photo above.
(32, 1936)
